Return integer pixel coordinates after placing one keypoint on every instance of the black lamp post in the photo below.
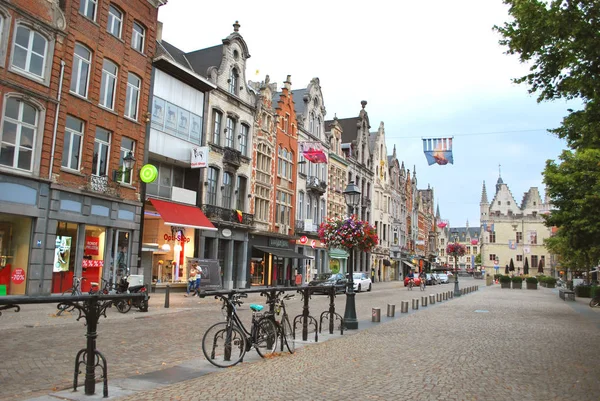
(456, 289)
(128, 162)
(352, 197)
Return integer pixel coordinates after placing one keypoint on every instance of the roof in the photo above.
(349, 128)
(299, 104)
(176, 54)
(201, 60)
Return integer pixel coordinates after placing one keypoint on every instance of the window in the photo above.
(286, 123)
(534, 261)
(519, 258)
(71, 157)
(108, 84)
(493, 237)
(241, 192)
(474, 250)
(262, 203)
(323, 210)
(133, 96)
(115, 21)
(442, 242)
(233, 81)
(244, 139)
(168, 177)
(137, 37)
(519, 237)
(311, 123)
(263, 164)
(217, 119)
(18, 134)
(300, 204)
(211, 191)
(308, 208)
(468, 250)
(127, 146)
(284, 207)
(508, 203)
(492, 256)
(29, 51)
(88, 8)
(229, 132)
(101, 152)
(226, 190)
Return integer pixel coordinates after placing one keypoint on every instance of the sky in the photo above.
(428, 69)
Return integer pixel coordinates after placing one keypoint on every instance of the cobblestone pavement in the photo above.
(528, 345)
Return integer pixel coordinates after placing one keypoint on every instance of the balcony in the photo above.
(366, 201)
(316, 185)
(306, 226)
(101, 184)
(227, 215)
(232, 158)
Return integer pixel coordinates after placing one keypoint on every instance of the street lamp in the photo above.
(128, 162)
(352, 198)
(456, 289)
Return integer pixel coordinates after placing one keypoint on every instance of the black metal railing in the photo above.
(232, 157)
(90, 307)
(227, 215)
(102, 184)
(315, 184)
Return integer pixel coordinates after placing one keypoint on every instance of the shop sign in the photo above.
(178, 237)
(92, 246)
(92, 263)
(313, 244)
(303, 240)
(226, 233)
(278, 243)
(18, 276)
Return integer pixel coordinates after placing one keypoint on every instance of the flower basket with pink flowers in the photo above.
(348, 233)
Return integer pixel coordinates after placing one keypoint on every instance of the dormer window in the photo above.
(233, 81)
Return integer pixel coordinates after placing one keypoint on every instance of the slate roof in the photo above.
(299, 105)
(176, 54)
(349, 129)
(474, 233)
(201, 60)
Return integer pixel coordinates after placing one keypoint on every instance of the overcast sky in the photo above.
(426, 68)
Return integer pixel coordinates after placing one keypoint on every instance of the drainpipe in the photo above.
(60, 82)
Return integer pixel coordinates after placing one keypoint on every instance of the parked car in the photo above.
(432, 279)
(417, 281)
(328, 280)
(361, 282)
(443, 278)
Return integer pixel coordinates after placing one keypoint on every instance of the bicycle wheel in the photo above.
(223, 345)
(595, 302)
(265, 337)
(288, 335)
(422, 286)
(123, 306)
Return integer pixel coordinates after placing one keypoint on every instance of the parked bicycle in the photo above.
(595, 302)
(410, 285)
(422, 284)
(224, 344)
(285, 334)
(75, 290)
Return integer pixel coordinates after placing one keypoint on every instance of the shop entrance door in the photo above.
(121, 252)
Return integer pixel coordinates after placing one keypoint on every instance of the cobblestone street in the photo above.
(491, 344)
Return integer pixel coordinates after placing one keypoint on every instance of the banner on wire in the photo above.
(313, 151)
(438, 150)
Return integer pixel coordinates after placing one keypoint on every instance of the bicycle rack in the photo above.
(305, 318)
(331, 315)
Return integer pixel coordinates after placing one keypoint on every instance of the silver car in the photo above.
(443, 278)
(361, 282)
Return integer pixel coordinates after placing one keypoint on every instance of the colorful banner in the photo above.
(512, 244)
(62, 254)
(313, 152)
(438, 150)
(532, 237)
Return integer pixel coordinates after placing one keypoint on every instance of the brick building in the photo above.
(75, 81)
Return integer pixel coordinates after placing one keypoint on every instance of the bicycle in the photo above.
(410, 285)
(75, 290)
(284, 327)
(224, 344)
(422, 284)
(595, 302)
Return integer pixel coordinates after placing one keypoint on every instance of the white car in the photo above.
(443, 278)
(361, 282)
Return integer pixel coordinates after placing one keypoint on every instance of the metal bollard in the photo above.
(424, 301)
(404, 307)
(376, 315)
(167, 291)
(391, 310)
(415, 303)
(450, 294)
(445, 295)
(432, 299)
(438, 297)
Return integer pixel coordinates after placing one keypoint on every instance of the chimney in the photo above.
(159, 27)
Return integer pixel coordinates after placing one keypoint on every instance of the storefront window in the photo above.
(15, 237)
(63, 265)
(121, 265)
(257, 271)
(93, 256)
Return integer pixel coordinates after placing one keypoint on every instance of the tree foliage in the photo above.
(560, 40)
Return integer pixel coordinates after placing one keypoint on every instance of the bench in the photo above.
(565, 294)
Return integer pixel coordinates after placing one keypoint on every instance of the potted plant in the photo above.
(517, 282)
(550, 282)
(531, 283)
(497, 276)
(583, 291)
(504, 281)
(542, 280)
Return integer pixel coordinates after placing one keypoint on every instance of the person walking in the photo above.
(198, 278)
(372, 274)
(191, 282)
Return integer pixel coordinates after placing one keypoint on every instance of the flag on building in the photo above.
(240, 215)
(438, 150)
(313, 151)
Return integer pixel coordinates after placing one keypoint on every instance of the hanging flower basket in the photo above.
(348, 233)
(455, 249)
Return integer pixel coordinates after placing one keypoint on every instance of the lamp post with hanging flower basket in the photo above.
(348, 234)
(455, 249)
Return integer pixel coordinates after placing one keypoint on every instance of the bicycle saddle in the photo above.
(256, 307)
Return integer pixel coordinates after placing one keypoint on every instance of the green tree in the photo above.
(559, 40)
(478, 259)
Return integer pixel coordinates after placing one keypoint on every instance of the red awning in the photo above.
(176, 214)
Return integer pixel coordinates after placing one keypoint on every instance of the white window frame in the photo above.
(78, 63)
(71, 133)
(85, 4)
(125, 177)
(138, 36)
(233, 81)
(20, 124)
(29, 50)
(114, 19)
(104, 87)
(101, 144)
(229, 132)
(132, 90)
(217, 124)
(244, 132)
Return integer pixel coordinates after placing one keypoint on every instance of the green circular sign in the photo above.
(148, 173)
